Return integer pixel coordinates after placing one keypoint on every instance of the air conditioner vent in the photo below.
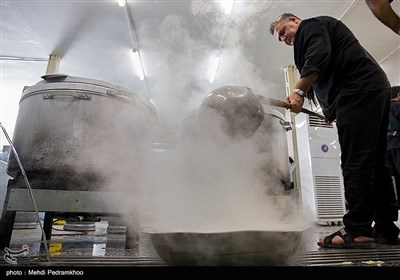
(328, 192)
(317, 122)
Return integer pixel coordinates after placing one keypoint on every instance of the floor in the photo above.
(96, 244)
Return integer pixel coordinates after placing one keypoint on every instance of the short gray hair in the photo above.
(282, 17)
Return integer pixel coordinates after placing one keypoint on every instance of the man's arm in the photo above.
(384, 12)
(304, 84)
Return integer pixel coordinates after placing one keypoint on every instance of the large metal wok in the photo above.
(233, 248)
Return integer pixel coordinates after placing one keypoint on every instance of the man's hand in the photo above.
(296, 101)
(304, 83)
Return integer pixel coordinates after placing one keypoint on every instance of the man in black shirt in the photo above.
(352, 89)
(393, 140)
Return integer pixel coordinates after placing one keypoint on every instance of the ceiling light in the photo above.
(214, 69)
(121, 3)
(21, 58)
(229, 6)
(138, 64)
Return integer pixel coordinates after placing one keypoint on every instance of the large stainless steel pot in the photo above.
(71, 130)
(270, 138)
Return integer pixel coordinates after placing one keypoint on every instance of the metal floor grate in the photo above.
(386, 256)
(349, 257)
(77, 261)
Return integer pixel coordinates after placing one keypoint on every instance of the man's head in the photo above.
(396, 93)
(285, 28)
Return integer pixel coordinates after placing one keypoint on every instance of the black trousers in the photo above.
(362, 122)
(393, 162)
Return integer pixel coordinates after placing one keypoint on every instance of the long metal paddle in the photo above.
(282, 104)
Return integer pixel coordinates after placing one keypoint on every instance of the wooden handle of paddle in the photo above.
(283, 104)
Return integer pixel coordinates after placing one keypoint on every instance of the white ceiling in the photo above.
(177, 40)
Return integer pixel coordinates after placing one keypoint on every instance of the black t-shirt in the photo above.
(324, 44)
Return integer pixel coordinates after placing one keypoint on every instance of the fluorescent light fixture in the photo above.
(121, 3)
(21, 58)
(138, 64)
(214, 69)
(228, 6)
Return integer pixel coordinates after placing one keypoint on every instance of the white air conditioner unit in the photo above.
(322, 190)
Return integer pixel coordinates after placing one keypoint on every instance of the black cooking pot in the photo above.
(234, 248)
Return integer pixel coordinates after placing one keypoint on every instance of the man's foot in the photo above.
(387, 233)
(383, 240)
(344, 239)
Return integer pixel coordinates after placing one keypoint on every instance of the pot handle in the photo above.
(64, 93)
(286, 125)
(118, 94)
